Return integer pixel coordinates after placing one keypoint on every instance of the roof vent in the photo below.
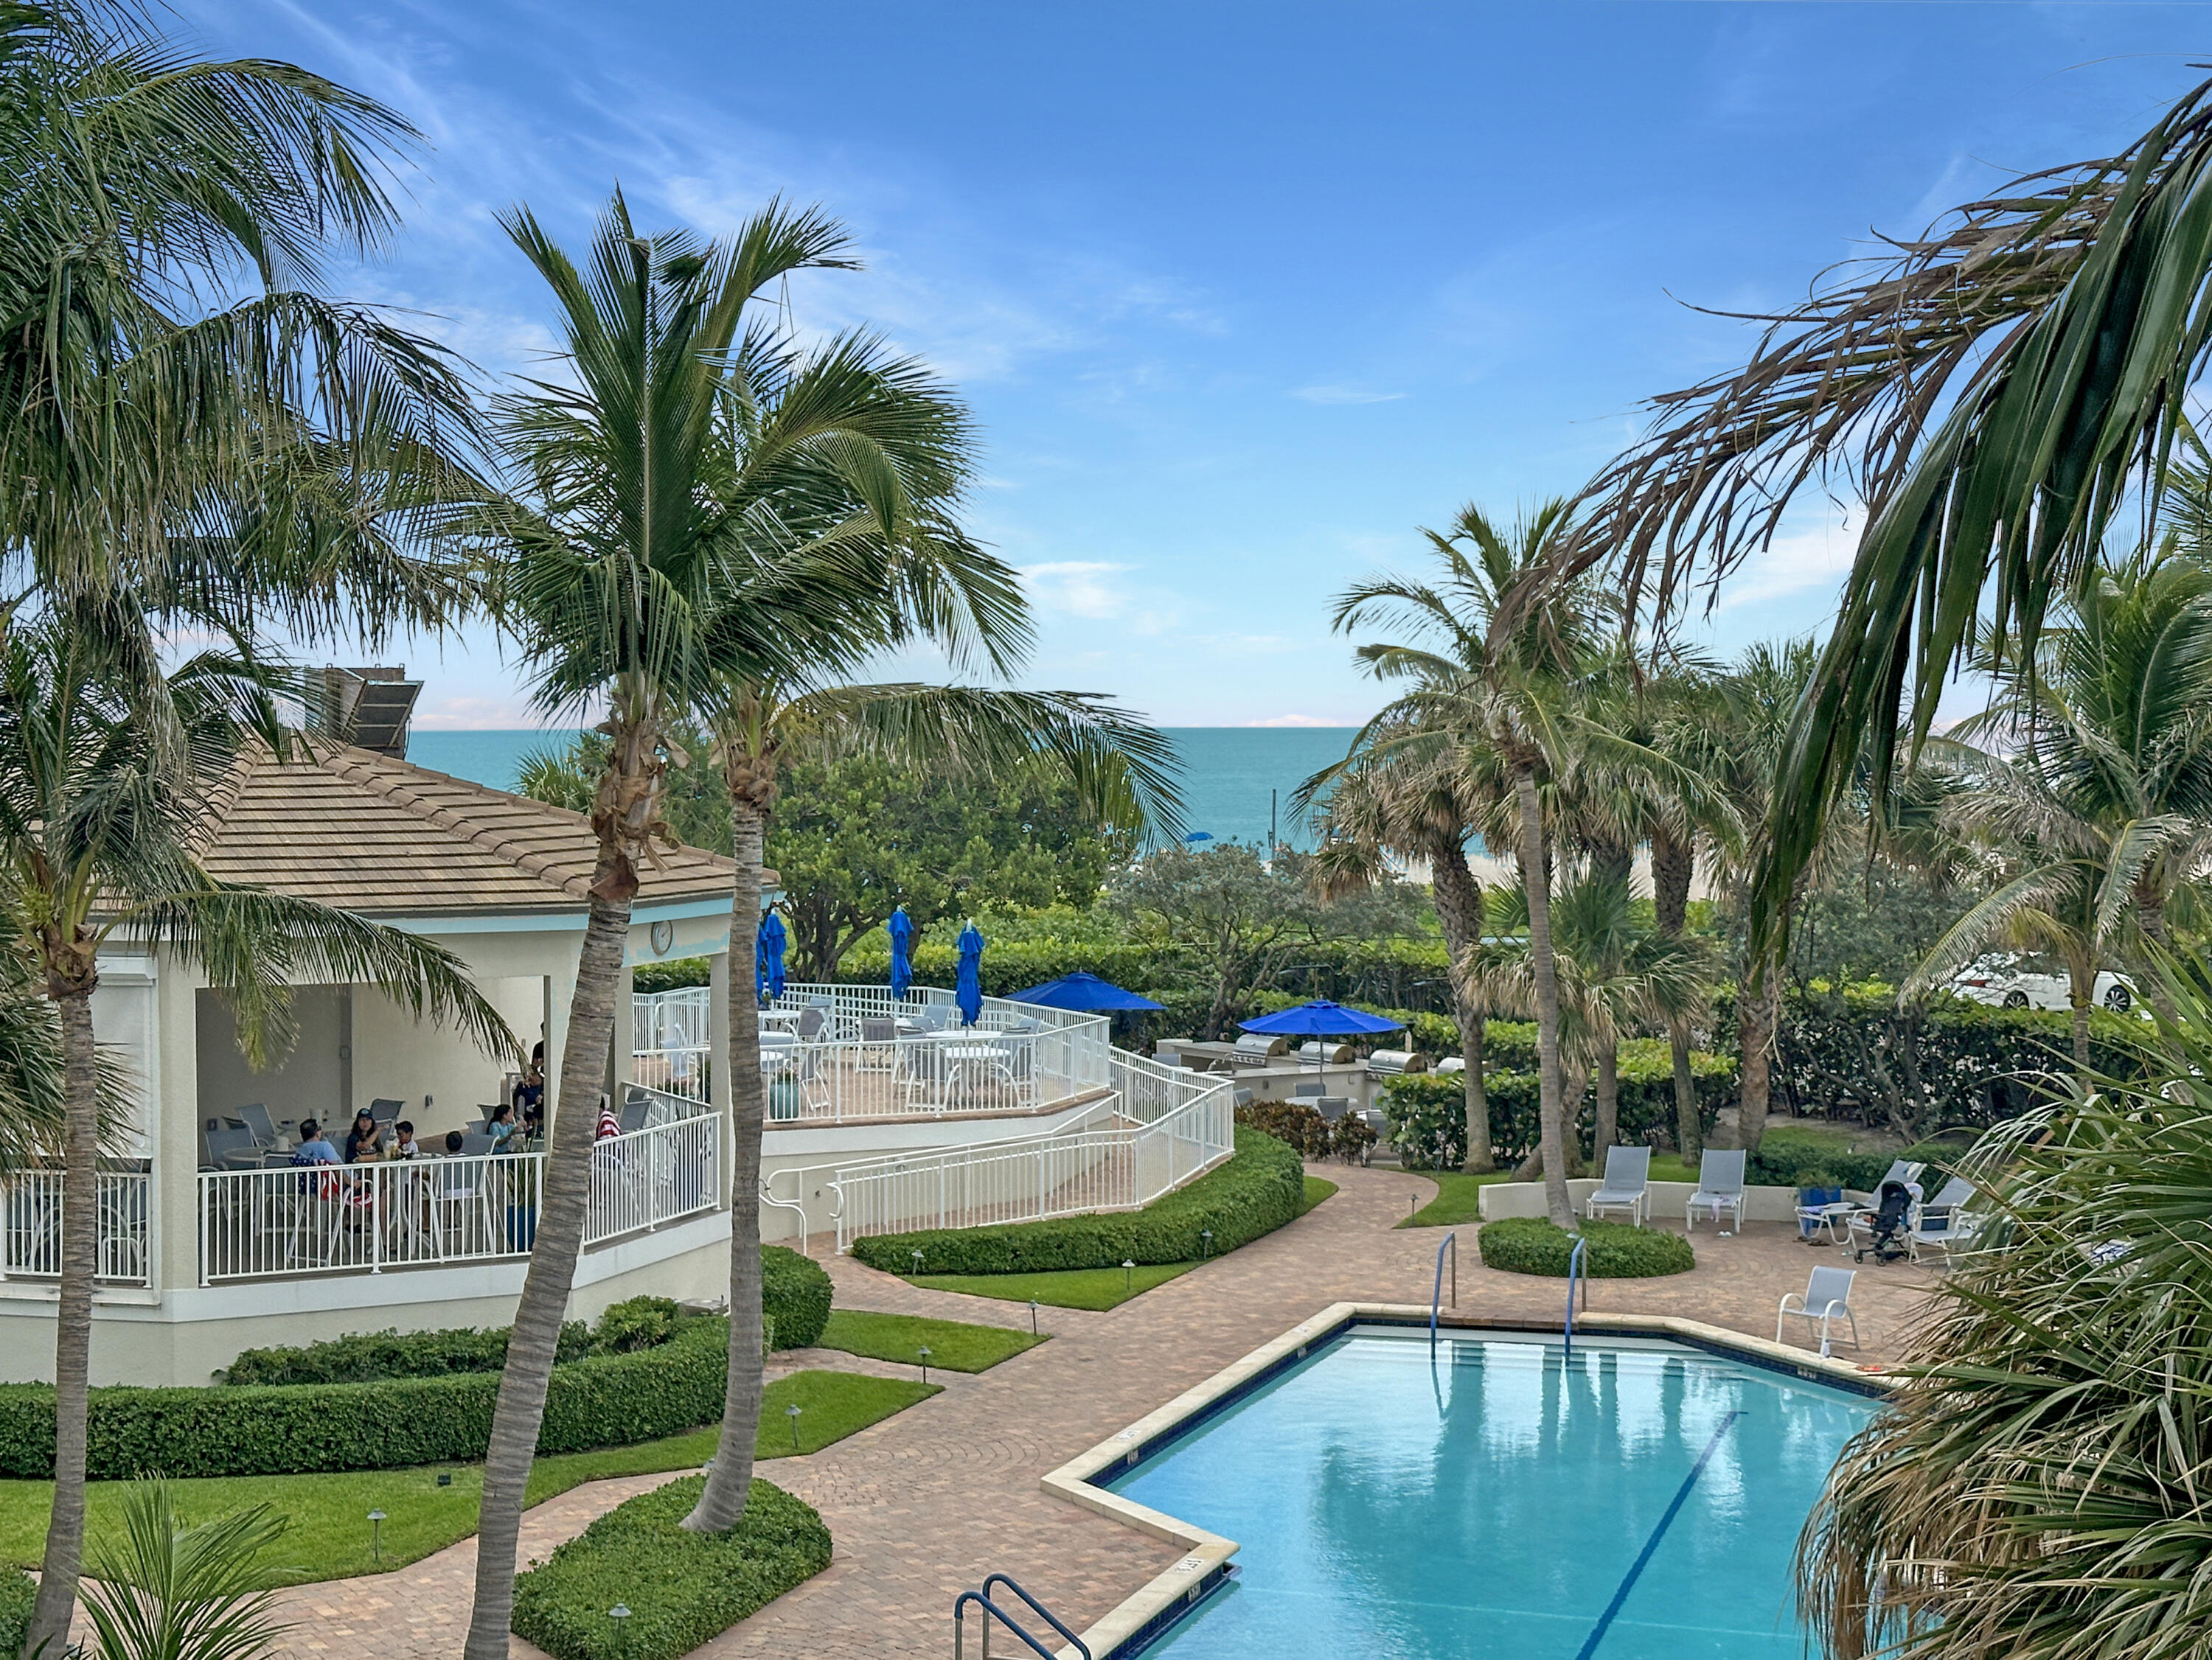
(368, 708)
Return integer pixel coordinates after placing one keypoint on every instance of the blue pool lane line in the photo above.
(1652, 1545)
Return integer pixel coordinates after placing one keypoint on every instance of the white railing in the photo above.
(671, 1040)
(32, 1248)
(364, 1218)
(681, 1072)
(1161, 1127)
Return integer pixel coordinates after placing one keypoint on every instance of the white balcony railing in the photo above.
(32, 1248)
(351, 1218)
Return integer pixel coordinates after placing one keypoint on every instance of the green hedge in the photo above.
(1427, 1112)
(1784, 1160)
(794, 1296)
(681, 1589)
(1535, 1244)
(1256, 1192)
(18, 1591)
(368, 1356)
(602, 1400)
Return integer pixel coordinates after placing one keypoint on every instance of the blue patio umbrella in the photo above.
(901, 929)
(968, 989)
(1085, 994)
(768, 957)
(1322, 1019)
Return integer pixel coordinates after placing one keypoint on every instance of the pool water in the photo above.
(1640, 1502)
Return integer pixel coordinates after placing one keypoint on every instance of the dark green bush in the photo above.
(600, 1401)
(794, 1296)
(1535, 1244)
(1256, 1192)
(635, 1323)
(1427, 1112)
(681, 1588)
(671, 974)
(18, 1591)
(1291, 1122)
(364, 1357)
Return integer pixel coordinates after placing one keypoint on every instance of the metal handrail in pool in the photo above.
(1042, 1611)
(1575, 1273)
(1450, 1242)
(960, 1624)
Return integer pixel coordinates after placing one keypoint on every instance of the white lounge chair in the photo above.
(1944, 1223)
(1720, 1187)
(1626, 1185)
(1826, 1294)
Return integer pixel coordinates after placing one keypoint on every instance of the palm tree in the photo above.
(1994, 393)
(2095, 797)
(843, 470)
(621, 532)
(106, 767)
(167, 1590)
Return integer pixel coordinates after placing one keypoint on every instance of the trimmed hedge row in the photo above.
(1427, 1112)
(601, 1400)
(1256, 1192)
(794, 1296)
(681, 1588)
(18, 1591)
(1536, 1245)
(1787, 1161)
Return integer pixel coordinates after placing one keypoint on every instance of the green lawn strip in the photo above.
(1094, 1289)
(1317, 1189)
(955, 1345)
(330, 1533)
(1458, 1195)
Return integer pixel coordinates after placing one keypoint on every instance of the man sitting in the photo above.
(315, 1147)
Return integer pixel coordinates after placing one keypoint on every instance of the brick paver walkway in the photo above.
(926, 1503)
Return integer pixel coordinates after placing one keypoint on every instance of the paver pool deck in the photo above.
(926, 1503)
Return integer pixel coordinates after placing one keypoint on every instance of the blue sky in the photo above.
(1241, 294)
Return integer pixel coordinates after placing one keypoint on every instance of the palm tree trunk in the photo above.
(730, 1480)
(1535, 881)
(562, 1210)
(1458, 900)
(1672, 865)
(1755, 1015)
(65, 1553)
(2080, 998)
(1608, 1101)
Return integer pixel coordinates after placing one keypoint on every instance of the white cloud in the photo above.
(1297, 720)
(1814, 558)
(466, 714)
(1077, 587)
(1341, 394)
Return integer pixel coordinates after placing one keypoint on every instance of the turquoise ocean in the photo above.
(1228, 771)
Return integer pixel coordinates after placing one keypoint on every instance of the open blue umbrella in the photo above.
(1320, 1020)
(768, 957)
(1085, 994)
(901, 929)
(968, 989)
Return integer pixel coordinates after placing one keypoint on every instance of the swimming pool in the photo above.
(1640, 1502)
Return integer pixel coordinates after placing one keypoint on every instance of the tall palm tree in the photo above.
(621, 532)
(847, 469)
(107, 765)
(1994, 392)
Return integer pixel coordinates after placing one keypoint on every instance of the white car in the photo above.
(2006, 981)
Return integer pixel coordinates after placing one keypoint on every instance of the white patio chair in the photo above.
(1720, 1187)
(1828, 1293)
(1626, 1185)
(880, 1046)
(1945, 1224)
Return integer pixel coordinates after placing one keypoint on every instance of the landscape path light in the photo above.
(376, 1534)
(791, 1413)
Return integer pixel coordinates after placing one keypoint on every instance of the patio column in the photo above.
(718, 1061)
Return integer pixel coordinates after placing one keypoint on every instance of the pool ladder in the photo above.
(1578, 1274)
(981, 1598)
(1450, 1242)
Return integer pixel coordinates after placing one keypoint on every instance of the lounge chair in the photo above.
(232, 1148)
(1944, 1223)
(254, 1117)
(1720, 1187)
(879, 1049)
(384, 1111)
(1626, 1185)
(810, 1022)
(1828, 1293)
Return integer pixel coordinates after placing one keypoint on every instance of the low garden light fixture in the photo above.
(916, 1255)
(620, 1614)
(923, 1356)
(791, 1413)
(376, 1534)
(1205, 1245)
(1033, 1314)
(1129, 1277)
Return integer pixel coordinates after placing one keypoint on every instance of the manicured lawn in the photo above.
(1458, 1195)
(330, 1534)
(1094, 1289)
(1317, 1189)
(955, 1345)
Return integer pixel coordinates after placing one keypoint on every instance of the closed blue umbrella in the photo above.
(768, 957)
(968, 989)
(901, 929)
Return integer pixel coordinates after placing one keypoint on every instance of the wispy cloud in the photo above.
(1813, 558)
(1297, 720)
(1341, 394)
(1078, 587)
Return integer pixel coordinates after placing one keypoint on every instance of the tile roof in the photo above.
(362, 831)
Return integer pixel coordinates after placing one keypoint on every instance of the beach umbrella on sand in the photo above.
(1086, 994)
(968, 989)
(768, 957)
(901, 929)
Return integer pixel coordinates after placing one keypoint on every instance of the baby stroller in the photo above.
(1885, 1226)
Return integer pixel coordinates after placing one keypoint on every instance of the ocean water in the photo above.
(1229, 772)
(1493, 1500)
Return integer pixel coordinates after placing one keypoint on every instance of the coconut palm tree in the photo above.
(622, 527)
(107, 763)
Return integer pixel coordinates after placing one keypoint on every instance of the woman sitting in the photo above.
(365, 1140)
(502, 1128)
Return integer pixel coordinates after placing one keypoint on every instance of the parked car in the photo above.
(2006, 980)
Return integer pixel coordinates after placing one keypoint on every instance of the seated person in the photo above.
(455, 1141)
(364, 1140)
(314, 1146)
(502, 1127)
(609, 1126)
(403, 1145)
